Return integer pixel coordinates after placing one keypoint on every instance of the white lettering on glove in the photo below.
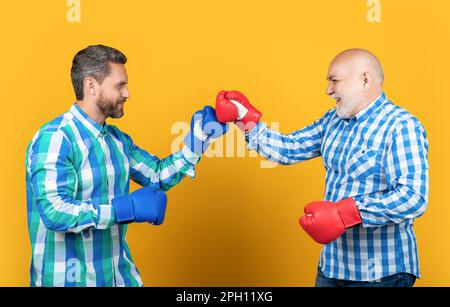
(198, 131)
(242, 111)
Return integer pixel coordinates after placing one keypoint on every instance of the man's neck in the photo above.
(370, 98)
(92, 111)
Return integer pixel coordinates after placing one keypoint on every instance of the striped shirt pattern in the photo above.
(380, 158)
(74, 168)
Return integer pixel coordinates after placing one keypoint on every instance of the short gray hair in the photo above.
(93, 61)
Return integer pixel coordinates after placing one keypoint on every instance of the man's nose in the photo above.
(126, 94)
(329, 90)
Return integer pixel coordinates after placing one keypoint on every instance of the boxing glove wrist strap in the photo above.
(124, 209)
(349, 212)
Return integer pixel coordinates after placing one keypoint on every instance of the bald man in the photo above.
(375, 156)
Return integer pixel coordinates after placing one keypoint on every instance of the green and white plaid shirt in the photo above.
(75, 167)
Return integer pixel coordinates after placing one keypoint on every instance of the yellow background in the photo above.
(236, 223)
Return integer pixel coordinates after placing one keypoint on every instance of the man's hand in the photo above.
(233, 106)
(326, 221)
(143, 205)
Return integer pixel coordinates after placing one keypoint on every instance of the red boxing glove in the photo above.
(233, 106)
(326, 221)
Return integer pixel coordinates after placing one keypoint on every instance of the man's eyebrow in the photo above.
(121, 83)
(331, 77)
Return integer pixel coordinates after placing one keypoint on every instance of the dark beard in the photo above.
(110, 108)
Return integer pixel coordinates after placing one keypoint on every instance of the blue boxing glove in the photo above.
(204, 129)
(143, 205)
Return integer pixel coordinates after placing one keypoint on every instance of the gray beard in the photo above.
(344, 111)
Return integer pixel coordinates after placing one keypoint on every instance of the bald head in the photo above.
(361, 61)
(355, 80)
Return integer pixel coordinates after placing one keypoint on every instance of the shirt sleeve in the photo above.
(407, 177)
(291, 148)
(54, 184)
(163, 174)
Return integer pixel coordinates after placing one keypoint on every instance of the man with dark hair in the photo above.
(78, 171)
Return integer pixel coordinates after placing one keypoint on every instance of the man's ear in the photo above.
(90, 86)
(367, 80)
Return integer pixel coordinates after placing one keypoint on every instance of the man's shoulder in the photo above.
(54, 128)
(400, 116)
(54, 125)
(116, 132)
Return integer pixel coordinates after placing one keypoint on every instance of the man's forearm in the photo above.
(284, 149)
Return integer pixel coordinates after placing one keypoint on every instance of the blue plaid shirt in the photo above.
(380, 158)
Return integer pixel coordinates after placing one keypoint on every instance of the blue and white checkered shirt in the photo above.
(380, 158)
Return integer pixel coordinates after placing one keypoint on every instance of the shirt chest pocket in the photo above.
(363, 163)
